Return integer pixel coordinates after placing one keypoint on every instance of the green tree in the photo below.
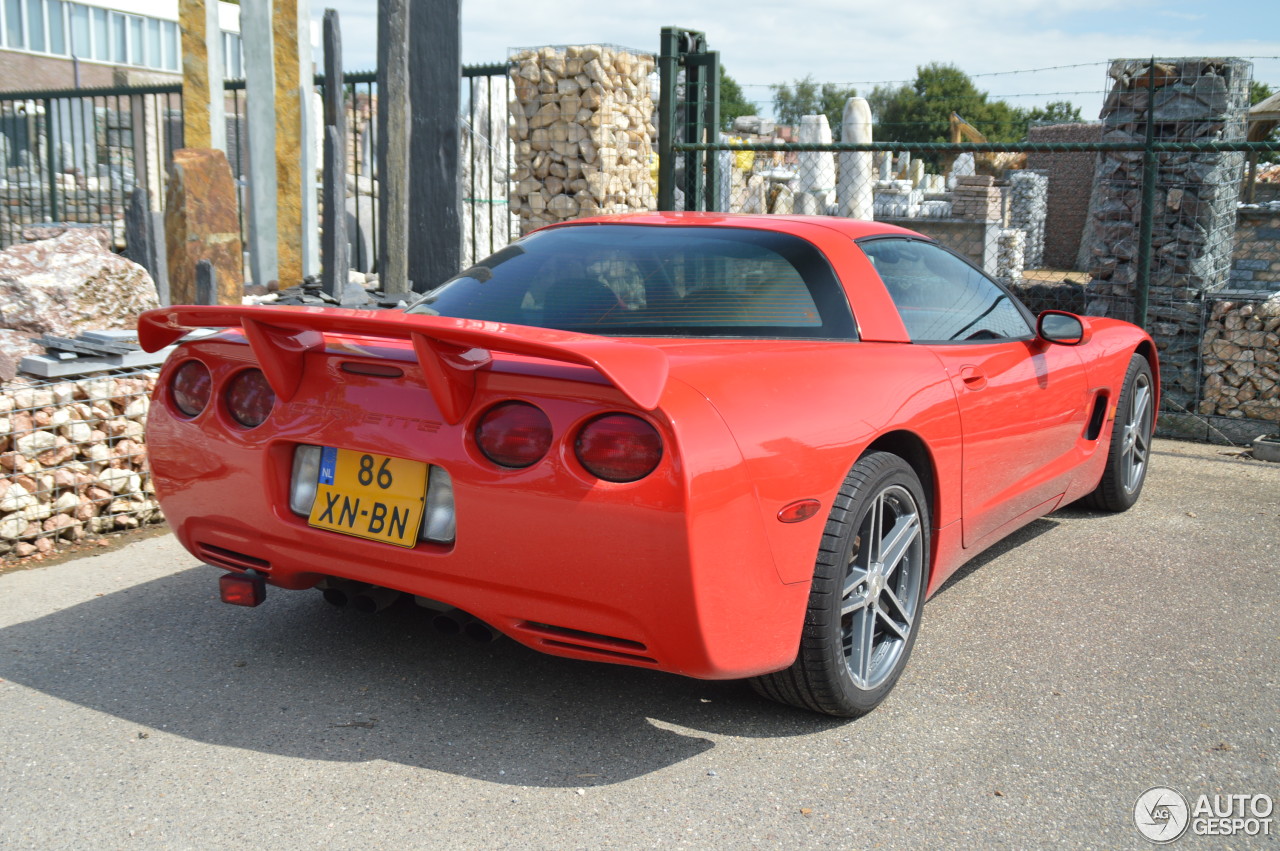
(1054, 112)
(807, 97)
(921, 111)
(733, 103)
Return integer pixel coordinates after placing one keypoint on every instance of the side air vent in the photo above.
(1097, 418)
(230, 559)
(604, 646)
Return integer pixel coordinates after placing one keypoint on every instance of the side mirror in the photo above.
(1065, 329)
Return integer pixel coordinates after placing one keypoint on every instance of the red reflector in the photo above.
(619, 448)
(800, 510)
(242, 589)
(514, 434)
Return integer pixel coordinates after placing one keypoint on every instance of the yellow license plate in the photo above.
(370, 496)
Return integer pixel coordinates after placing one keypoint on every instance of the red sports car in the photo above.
(720, 446)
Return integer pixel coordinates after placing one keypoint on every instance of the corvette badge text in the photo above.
(1163, 815)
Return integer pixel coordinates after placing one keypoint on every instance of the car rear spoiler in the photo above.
(449, 350)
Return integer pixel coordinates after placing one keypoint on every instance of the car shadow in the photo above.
(300, 678)
(1032, 530)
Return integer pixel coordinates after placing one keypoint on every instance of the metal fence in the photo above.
(75, 155)
(1157, 246)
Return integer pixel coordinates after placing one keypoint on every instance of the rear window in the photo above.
(620, 280)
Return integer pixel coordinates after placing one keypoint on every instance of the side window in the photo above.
(940, 297)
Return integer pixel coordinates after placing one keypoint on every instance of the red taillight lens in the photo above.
(619, 448)
(191, 387)
(250, 398)
(514, 434)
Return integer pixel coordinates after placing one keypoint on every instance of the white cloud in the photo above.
(843, 42)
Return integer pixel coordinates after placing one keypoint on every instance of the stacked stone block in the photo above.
(1011, 256)
(1241, 350)
(1256, 258)
(1070, 182)
(1028, 208)
(1192, 100)
(73, 461)
(582, 122)
(976, 198)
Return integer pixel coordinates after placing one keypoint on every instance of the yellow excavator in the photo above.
(985, 163)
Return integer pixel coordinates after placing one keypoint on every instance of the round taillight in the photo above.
(250, 398)
(191, 387)
(514, 434)
(619, 448)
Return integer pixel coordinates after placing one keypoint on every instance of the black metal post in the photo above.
(668, 70)
(51, 157)
(1150, 165)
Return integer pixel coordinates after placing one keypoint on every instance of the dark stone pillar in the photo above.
(435, 226)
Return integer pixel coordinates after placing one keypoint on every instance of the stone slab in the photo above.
(54, 366)
(202, 223)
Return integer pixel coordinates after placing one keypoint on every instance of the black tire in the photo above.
(863, 615)
(1130, 448)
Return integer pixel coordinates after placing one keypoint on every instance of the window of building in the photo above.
(231, 54)
(101, 38)
(169, 42)
(57, 27)
(35, 25)
(13, 24)
(66, 28)
(81, 43)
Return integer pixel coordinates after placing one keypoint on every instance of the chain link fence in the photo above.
(1135, 217)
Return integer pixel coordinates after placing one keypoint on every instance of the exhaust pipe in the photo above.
(450, 621)
(453, 621)
(374, 599)
(480, 632)
(335, 597)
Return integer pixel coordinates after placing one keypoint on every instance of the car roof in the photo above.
(851, 228)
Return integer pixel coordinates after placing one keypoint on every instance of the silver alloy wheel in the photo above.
(1137, 433)
(881, 592)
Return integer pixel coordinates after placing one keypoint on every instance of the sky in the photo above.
(862, 44)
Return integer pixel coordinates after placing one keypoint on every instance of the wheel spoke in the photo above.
(1141, 401)
(895, 611)
(875, 532)
(1136, 438)
(856, 577)
(891, 623)
(899, 541)
(864, 630)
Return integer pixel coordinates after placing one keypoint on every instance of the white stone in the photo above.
(66, 503)
(16, 498)
(36, 442)
(854, 192)
(120, 481)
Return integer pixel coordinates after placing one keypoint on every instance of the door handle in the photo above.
(973, 377)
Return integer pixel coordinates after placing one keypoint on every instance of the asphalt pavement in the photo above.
(1056, 678)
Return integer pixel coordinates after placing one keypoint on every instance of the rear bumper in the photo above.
(666, 574)
(629, 600)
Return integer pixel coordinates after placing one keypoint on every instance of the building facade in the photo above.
(67, 44)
